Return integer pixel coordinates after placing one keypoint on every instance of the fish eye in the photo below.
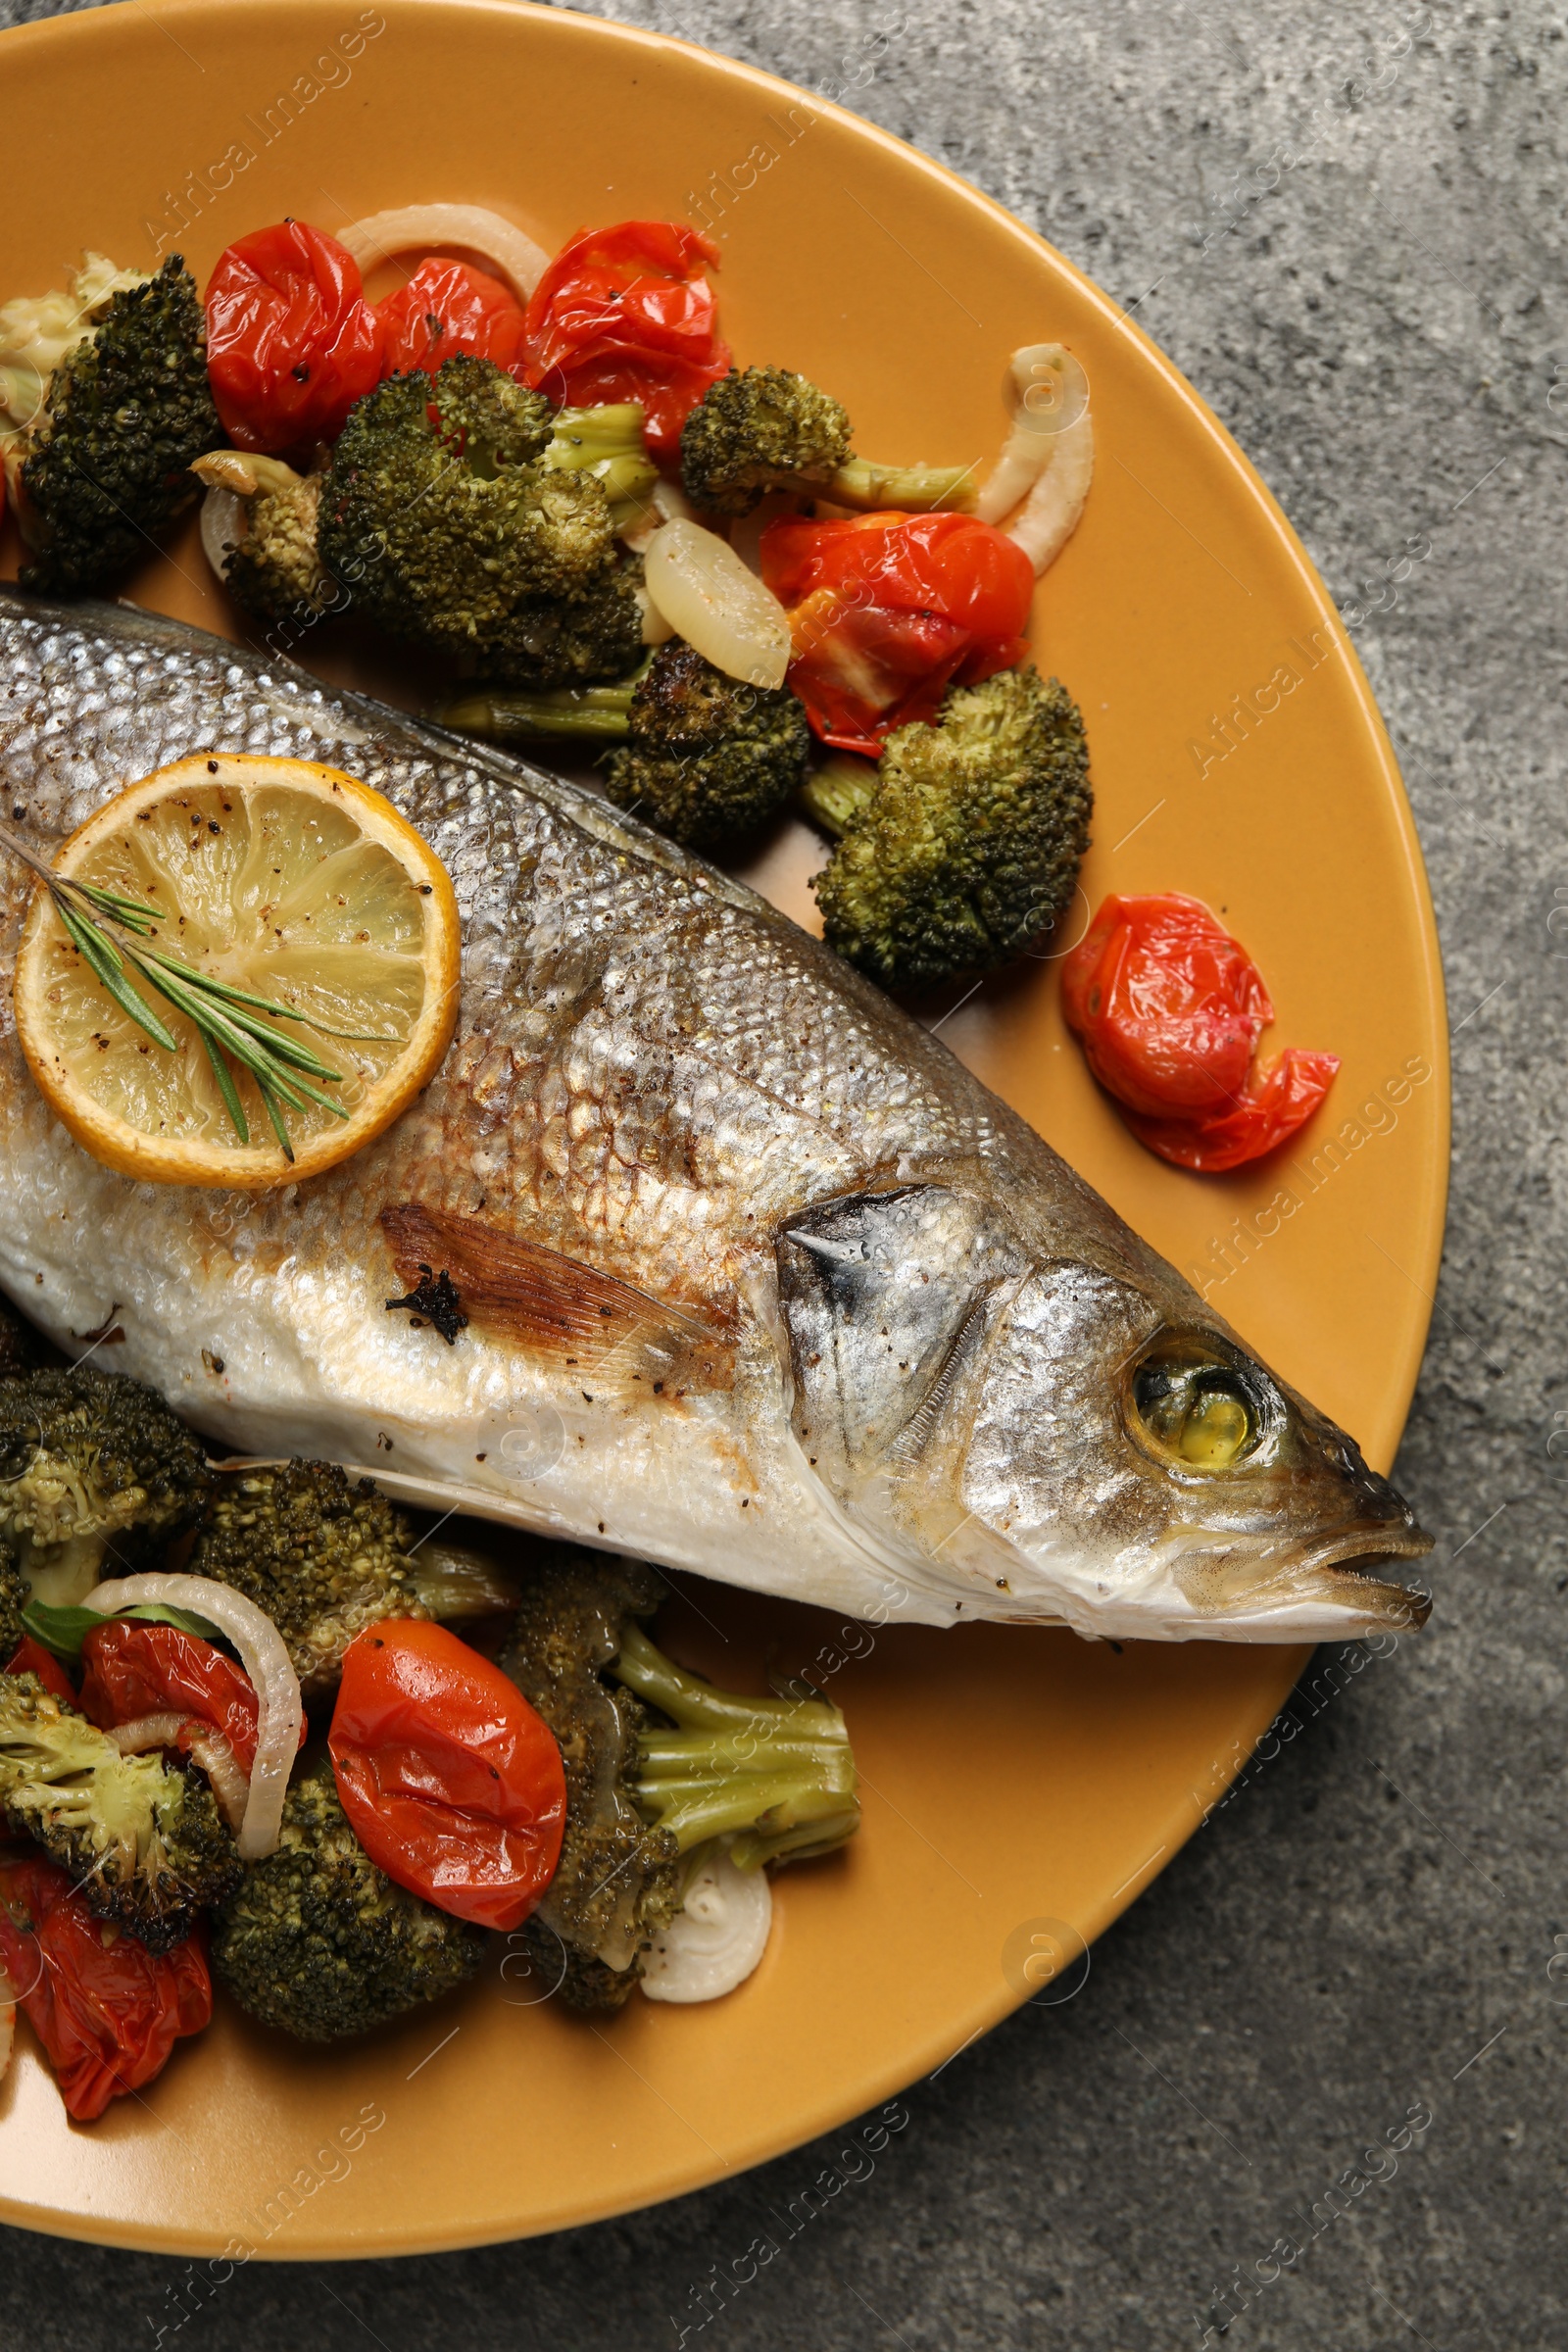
(1194, 1409)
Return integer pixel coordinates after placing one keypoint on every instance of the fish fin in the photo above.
(550, 1304)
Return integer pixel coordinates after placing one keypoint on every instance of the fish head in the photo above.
(1072, 1436)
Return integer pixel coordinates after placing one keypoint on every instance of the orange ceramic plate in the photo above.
(1012, 1778)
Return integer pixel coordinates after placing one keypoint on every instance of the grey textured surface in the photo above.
(1383, 331)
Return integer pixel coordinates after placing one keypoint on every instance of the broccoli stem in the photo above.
(837, 793)
(776, 1776)
(452, 1581)
(908, 489)
(564, 713)
(608, 443)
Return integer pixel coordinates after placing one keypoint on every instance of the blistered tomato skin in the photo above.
(134, 1670)
(627, 314)
(107, 2011)
(454, 1784)
(291, 341)
(446, 308)
(1169, 1008)
(889, 610)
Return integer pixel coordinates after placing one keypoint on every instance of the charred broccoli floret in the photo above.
(319, 1941)
(36, 331)
(571, 640)
(142, 1838)
(271, 567)
(965, 843)
(127, 410)
(93, 1468)
(762, 429)
(461, 533)
(702, 756)
(657, 1763)
(325, 1558)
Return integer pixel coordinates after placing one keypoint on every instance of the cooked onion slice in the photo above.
(1048, 459)
(205, 1742)
(267, 1662)
(705, 593)
(224, 523)
(715, 1939)
(466, 228)
(665, 501)
(211, 1749)
(147, 1731)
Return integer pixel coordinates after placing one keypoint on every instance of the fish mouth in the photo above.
(1336, 1589)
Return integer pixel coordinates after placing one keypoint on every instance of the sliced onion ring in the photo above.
(224, 523)
(208, 1747)
(1048, 459)
(146, 1731)
(466, 229)
(273, 1679)
(705, 593)
(203, 1743)
(717, 1936)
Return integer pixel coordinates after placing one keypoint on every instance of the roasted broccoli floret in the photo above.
(644, 1788)
(325, 1558)
(93, 1469)
(270, 568)
(36, 331)
(320, 1942)
(571, 640)
(702, 756)
(762, 428)
(142, 1838)
(461, 534)
(108, 464)
(965, 843)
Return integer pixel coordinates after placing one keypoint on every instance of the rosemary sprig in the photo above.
(104, 925)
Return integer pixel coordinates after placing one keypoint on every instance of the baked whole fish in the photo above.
(758, 1280)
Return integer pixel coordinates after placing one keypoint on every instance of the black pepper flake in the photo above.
(212, 767)
(435, 1296)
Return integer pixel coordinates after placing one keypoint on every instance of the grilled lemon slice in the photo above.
(282, 878)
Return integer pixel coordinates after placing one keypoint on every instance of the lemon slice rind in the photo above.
(371, 953)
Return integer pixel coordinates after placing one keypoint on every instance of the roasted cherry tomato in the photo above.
(1278, 1097)
(627, 314)
(134, 1670)
(1170, 1010)
(31, 1657)
(453, 1783)
(291, 341)
(107, 2012)
(447, 307)
(889, 610)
